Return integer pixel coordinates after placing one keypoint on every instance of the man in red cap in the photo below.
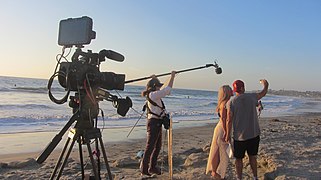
(242, 115)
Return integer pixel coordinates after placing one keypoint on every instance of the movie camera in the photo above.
(82, 76)
(83, 73)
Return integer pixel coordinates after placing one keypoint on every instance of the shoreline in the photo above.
(31, 142)
(290, 148)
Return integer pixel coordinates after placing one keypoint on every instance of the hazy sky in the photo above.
(276, 40)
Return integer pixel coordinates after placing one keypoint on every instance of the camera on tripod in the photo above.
(82, 76)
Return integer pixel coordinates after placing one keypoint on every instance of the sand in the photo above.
(290, 148)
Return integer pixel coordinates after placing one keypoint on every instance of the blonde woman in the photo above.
(218, 157)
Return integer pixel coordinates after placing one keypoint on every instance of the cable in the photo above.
(61, 56)
(52, 98)
(135, 124)
(58, 73)
(91, 91)
(140, 116)
(88, 93)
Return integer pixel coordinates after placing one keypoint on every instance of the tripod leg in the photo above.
(59, 160)
(67, 155)
(97, 154)
(105, 158)
(55, 141)
(97, 176)
(81, 160)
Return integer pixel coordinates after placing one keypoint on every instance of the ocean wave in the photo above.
(34, 118)
(24, 106)
(209, 104)
(43, 90)
(25, 90)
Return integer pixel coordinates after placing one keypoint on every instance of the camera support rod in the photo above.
(218, 70)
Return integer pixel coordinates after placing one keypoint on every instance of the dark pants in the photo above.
(153, 145)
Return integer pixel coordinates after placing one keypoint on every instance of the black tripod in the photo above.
(85, 113)
(83, 137)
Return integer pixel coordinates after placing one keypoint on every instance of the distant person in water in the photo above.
(154, 93)
(218, 158)
(242, 116)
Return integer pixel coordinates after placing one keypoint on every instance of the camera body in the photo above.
(85, 65)
(73, 74)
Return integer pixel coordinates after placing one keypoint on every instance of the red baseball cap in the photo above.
(237, 85)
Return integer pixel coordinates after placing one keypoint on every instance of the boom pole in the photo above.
(215, 65)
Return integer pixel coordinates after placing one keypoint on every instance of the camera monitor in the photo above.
(76, 31)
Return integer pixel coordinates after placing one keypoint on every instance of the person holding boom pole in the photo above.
(156, 111)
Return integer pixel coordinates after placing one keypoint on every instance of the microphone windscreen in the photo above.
(218, 70)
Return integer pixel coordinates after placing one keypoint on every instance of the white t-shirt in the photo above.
(156, 96)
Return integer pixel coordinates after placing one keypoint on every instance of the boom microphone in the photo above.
(218, 69)
(111, 55)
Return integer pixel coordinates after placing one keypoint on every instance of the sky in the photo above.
(251, 40)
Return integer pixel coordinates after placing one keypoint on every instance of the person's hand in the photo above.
(224, 135)
(153, 76)
(227, 138)
(264, 82)
(173, 73)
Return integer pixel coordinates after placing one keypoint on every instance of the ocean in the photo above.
(25, 107)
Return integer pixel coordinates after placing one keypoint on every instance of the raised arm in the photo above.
(265, 89)
(170, 81)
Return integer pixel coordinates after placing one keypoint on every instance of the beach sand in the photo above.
(290, 148)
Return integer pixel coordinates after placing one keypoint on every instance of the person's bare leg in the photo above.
(253, 164)
(215, 161)
(239, 167)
